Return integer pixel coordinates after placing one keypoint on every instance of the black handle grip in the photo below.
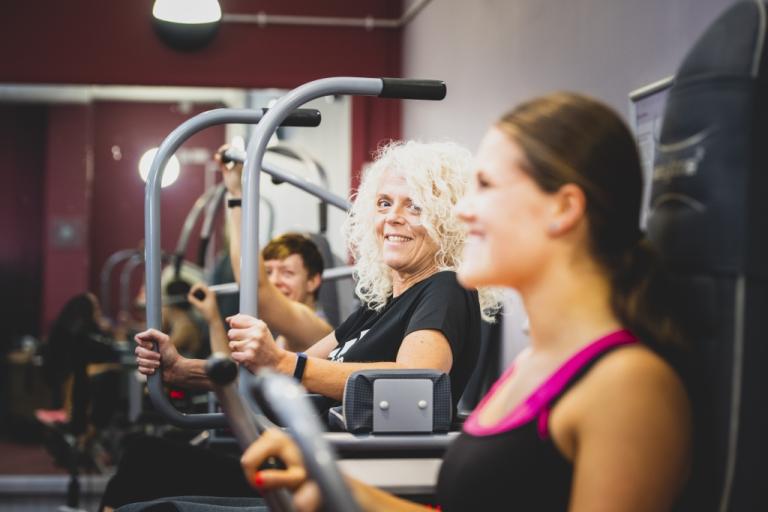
(220, 369)
(413, 89)
(308, 117)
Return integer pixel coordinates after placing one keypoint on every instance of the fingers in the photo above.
(274, 443)
(146, 338)
(243, 321)
(147, 360)
(244, 356)
(308, 497)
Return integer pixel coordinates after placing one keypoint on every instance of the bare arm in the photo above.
(253, 346)
(275, 443)
(177, 370)
(632, 436)
(217, 332)
(372, 499)
(295, 321)
(205, 302)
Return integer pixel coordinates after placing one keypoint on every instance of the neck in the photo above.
(569, 306)
(310, 302)
(401, 281)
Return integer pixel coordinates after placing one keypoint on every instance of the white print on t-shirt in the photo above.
(337, 354)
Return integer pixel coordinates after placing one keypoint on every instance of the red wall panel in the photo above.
(118, 200)
(112, 42)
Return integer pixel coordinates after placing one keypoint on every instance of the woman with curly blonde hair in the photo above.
(407, 242)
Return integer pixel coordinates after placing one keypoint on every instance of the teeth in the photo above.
(396, 238)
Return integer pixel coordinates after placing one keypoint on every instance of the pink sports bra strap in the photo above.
(541, 398)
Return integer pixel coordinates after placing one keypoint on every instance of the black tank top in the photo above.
(514, 465)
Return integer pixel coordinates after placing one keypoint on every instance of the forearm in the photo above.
(372, 499)
(188, 374)
(328, 378)
(298, 323)
(235, 222)
(217, 333)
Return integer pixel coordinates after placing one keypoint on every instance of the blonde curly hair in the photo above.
(437, 175)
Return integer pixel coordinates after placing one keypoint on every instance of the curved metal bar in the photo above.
(257, 147)
(125, 281)
(297, 181)
(198, 207)
(270, 206)
(300, 154)
(106, 275)
(152, 249)
(306, 185)
(287, 400)
(206, 229)
(329, 274)
(222, 372)
(152, 232)
(254, 162)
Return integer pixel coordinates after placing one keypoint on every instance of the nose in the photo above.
(463, 209)
(394, 216)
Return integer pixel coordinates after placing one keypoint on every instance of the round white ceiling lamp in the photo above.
(172, 168)
(186, 25)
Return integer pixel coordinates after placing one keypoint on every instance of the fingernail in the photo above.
(257, 480)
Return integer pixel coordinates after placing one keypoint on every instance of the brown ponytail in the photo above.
(569, 138)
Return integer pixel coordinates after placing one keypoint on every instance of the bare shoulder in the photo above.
(635, 369)
(626, 427)
(632, 384)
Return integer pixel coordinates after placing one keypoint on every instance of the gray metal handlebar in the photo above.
(222, 371)
(288, 401)
(105, 278)
(152, 248)
(257, 147)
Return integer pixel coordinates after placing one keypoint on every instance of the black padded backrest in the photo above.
(487, 370)
(328, 298)
(709, 221)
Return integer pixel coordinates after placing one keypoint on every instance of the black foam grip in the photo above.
(308, 117)
(221, 370)
(412, 89)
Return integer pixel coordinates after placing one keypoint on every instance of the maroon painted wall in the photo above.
(23, 132)
(66, 192)
(118, 191)
(112, 42)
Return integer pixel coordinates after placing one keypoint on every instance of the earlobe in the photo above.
(571, 206)
(314, 283)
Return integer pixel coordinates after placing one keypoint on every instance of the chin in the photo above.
(470, 276)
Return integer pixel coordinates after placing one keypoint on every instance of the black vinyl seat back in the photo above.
(328, 297)
(487, 369)
(709, 221)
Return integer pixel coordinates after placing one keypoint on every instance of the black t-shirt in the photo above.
(438, 303)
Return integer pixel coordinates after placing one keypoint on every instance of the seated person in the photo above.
(592, 415)
(294, 268)
(407, 243)
(78, 350)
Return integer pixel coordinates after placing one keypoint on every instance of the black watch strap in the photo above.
(301, 363)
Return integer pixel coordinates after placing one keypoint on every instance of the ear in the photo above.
(314, 282)
(570, 206)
